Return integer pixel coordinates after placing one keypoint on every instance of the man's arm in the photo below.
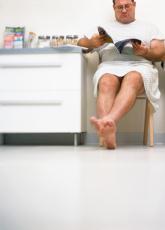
(94, 42)
(155, 52)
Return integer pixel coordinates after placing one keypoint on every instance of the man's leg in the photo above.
(108, 88)
(131, 87)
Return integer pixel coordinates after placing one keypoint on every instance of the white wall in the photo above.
(76, 17)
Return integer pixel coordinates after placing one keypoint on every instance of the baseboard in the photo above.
(1, 139)
(68, 139)
(126, 138)
(39, 139)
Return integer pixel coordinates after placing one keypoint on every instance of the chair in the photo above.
(148, 122)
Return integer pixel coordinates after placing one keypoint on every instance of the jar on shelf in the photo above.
(61, 40)
(68, 39)
(54, 41)
(47, 41)
(75, 39)
(72, 39)
(43, 41)
(40, 43)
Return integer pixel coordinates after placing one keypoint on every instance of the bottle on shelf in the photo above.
(43, 41)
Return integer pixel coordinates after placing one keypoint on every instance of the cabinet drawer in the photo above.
(63, 113)
(32, 97)
(41, 71)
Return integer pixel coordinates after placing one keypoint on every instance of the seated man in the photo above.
(121, 77)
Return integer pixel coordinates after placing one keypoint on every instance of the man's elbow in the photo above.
(158, 48)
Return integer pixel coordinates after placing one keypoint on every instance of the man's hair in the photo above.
(115, 0)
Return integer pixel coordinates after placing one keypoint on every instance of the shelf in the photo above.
(62, 49)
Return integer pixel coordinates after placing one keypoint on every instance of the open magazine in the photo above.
(119, 45)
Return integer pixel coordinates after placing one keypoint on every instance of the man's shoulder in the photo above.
(145, 23)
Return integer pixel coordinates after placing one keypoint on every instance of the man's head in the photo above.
(124, 10)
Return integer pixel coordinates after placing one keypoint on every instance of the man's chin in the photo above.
(126, 20)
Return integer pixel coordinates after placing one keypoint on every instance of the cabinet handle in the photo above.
(31, 65)
(31, 102)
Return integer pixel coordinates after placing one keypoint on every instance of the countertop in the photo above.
(61, 49)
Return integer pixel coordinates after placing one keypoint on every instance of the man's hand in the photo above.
(140, 49)
(97, 40)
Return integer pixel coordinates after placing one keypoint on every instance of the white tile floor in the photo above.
(82, 188)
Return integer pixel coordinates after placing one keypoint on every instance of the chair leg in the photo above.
(148, 125)
(151, 126)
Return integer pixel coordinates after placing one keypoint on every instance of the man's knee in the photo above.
(108, 82)
(134, 79)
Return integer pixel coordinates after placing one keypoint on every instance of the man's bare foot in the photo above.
(98, 126)
(95, 122)
(108, 131)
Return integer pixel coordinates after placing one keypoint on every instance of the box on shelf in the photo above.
(14, 37)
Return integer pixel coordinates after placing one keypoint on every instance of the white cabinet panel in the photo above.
(42, 93)
(40, 72)
(61, 113)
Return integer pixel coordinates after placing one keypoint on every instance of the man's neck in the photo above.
(126, 22)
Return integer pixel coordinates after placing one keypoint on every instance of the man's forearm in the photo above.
(85, 42)
(153, 55)
(156, 51)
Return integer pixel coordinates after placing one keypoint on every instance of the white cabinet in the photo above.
(42, 93)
